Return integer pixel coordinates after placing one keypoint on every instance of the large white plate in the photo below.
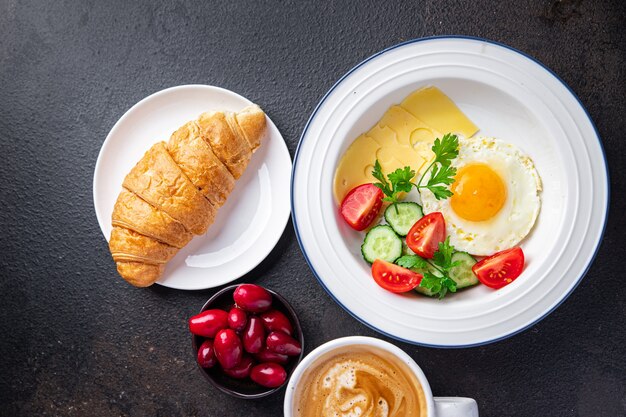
(254, 217)
(508, 95)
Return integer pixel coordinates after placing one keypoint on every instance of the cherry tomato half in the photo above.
(501, 268)
(361, 206)
(394, 278)
(426, 233)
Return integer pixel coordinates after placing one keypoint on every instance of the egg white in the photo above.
(518, 214)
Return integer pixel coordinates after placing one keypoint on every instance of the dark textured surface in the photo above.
(78, 341)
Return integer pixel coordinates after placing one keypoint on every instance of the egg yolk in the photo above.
(479, 193)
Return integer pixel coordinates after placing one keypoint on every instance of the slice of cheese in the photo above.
(396, 150)
(438, 111)
(402, 137)
(404, 124)
(356, 165)
(399, 156)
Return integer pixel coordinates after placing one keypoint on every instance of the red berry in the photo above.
(269, 375)
(242, 370)
(228, 349)
(208, 323)
(267, 355)
(284, 344)
(275, 321)
(252, 298)
(237, 319)
(254, 335)
(206, 354)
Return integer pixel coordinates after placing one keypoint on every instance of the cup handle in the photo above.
(455, 407)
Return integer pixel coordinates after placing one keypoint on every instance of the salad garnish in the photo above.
(442, 262)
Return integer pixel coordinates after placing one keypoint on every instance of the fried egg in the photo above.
(496, 197)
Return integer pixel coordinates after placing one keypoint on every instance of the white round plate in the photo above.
(508, 95)
(251, 221)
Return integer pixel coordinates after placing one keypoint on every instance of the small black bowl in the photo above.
(246, 388)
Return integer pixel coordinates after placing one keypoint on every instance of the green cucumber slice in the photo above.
(423, 290)
(381, 242)
(402, 216)
(462, 274)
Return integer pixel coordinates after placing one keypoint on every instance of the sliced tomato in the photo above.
(501, 268)
(361, 206)
(426, 233)
(394, 278)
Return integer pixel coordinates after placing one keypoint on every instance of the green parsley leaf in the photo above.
(439, 285)
(378, 174)
(440, 192)
(412, 261)
(442, 261)
(398, 181)
(431, 282)
(448, 283)
(446, 149)
(441, 173)
(401, 179)
(443, 257)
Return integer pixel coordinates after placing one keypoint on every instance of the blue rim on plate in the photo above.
(425, 39)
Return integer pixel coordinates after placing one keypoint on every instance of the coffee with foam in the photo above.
(359, 381)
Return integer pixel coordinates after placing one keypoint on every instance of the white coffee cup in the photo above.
(436, 406)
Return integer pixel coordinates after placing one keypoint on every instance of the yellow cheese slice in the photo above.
(438, 111)
(408, 128)
(356, 165)
(396, 150)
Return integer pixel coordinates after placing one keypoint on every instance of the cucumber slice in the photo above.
(402, 216)
(423, 290)
(381, 242)
(462, 274)
(405, 249)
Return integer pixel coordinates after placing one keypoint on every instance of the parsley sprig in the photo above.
(399, 181)
(412, 261)
(441, 173)
(438, 283)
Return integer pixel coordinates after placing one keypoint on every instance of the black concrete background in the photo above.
(75, 340)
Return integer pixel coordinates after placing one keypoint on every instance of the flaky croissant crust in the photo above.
(176, 188)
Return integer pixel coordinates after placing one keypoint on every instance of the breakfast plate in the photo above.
(507, 95)
(251, 221)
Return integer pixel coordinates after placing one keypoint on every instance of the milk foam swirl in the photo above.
(360, 384)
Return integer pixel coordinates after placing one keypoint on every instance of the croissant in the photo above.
(176, 188)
